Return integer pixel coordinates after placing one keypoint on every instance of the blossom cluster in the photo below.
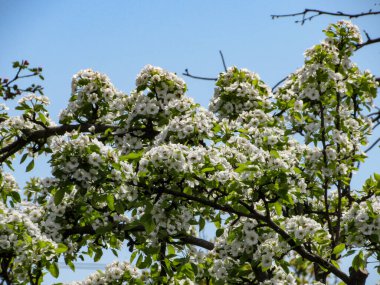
(158, 111)
(117, 272)
(164, 84)
(93, 99)
(175, 223)
(239, 90)
(71, 158)
(34, 117)
(192, 127)
(304, 228)
(23, 239)
(8, 187)
(362, 221)
(323, 103)
(270, 170)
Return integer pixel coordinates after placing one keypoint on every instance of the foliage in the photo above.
(271, 171)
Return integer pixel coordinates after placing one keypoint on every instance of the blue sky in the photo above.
(119, 37)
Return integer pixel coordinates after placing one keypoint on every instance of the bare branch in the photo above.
(316, 13)
(186, 239)
(35, 136)
(373, 145)
(197, 241)
(224, 63)
(186, 73)
(368, 42)
(278, 83)
(366, 34)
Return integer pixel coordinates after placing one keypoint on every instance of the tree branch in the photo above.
(34, 136)
(316, 13)
(369, 41)
(197, 241)
(257, 216)
(278, 83)
(372, 145)
(186, 73)
(224, 63)
(186, 239)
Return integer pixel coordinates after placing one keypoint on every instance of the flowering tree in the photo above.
(150, 170)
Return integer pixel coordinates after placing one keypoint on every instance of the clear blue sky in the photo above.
(119, 37)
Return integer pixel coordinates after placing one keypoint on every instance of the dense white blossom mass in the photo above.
(151, 170)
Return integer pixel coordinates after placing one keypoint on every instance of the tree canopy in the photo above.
(270, 170)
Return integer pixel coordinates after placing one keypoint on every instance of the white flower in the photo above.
(266, 260)
(151, 109)
(272, 140)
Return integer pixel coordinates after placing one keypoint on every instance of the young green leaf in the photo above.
(53, 269)
(30, 166)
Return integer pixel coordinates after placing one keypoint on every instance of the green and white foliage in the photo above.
(152, 170)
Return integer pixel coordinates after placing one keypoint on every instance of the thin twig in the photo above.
(366, 34)
(278, 83)
(375, 126)
(320, 13)
(224, 63)
(186, 73)
(372, 145)
(368, 42)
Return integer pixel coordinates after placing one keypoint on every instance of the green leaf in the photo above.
(70, 264)
(139, 262)
(219, 232)
(24, 156)
(350, 252)
(42, 118)
(335, 263)
(330, 34)
(188, 190)
(61, 248)
(98, 254)
(30, 166)
(370, 208)
(53, 269)
(9, 164)
(147, 221)
(104, 229)
(132, 155)
(274, 154)
(58, 196)
(358, 262)
(119, 208)
(216, 128)
(339, 248)
(114, 252)
(278, 208)
(208, 169)
(202, 223)
(297, 170)
(16, 196)
(241, 168)
(171, 250)
(377, 177)
(110, 202)
(133, 256)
